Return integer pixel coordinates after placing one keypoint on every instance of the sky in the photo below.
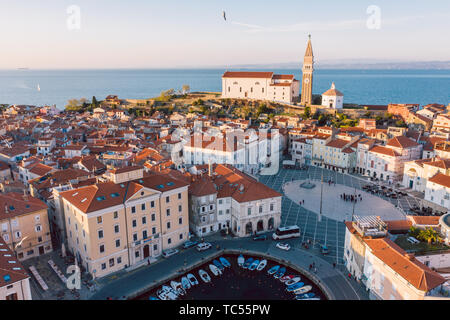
(50, 34)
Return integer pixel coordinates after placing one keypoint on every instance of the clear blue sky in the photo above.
(184, 33)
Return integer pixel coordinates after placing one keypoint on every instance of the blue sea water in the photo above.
(358, 86)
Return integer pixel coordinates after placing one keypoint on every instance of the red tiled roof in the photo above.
(441, 179)
(10, 267)
(384, 150)
(247, 74)
(401, 142)
(407, 266)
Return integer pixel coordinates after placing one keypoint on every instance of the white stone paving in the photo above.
(335, 208)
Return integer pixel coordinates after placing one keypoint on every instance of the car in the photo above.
(261, 237)
(412, 240)
(169, 252)
(283, 246)
(189, 244)
(203, 246)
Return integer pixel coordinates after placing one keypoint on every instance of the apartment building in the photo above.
(387, 271)
(14, 280)
(120, 223)
(24, 225)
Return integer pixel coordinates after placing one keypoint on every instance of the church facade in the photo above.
(269, 86)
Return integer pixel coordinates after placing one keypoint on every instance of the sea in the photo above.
(359, 86)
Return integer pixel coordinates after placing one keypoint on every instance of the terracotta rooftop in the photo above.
(441, 179)
(247, 74)
(401, 142)
(407, 266)
(11, 270)
(385, 151)
(14, 204)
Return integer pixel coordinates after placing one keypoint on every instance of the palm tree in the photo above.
(429, 234)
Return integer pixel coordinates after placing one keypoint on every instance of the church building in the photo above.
(333, 98)
(269, 86)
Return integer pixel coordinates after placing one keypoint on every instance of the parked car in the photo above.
(412, 240)
(203, 246)
(189, 244)
(283, 246)
(261, 237)
(169, 252)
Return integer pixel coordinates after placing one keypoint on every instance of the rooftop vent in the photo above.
(101, 198)
(114, 195)
(6, 278)
(83, 200)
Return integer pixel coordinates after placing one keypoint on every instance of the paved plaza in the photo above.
(328, 231)
(334, 206)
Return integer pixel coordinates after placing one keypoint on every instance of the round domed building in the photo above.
(333, 98)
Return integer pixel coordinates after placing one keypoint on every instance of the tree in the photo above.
(307, 113)
(94, 102)
(429, 235)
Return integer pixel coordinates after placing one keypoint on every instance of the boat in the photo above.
(261, 265)
(295, 286)
(216, 271)
(218, 264)
(241, 260)
(153, 298)
(292, 281)
(253, 265)
(225, 262)
(279, 273)
(169, 292)
(247, 263)
(162, 295)
(192, 279)
(38, 87)
(178, 288)
(273, 269)
(185, 283)
(304, 296)
(286, 278)
(204, 276)
(303, 289)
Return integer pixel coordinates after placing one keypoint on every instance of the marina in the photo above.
(231, 280)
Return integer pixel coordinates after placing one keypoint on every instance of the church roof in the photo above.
(247, 74)
(333, 92)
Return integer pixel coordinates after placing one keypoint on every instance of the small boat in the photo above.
(247, 263)
(218, 264)
(192, 279)
(178, 288)
(170, 293)
(185, 283)
(279, 273)
(204, 276)
(304, 296)
(273, 269)
(153, 298)
(216, 271)
(162, 295)
(240, 260)
(225, 262)
(286, 278)
(295, 286)
(292, 281)
(301, 290)
(253, 265)
(261, 265)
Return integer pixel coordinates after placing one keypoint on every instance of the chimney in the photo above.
(6, 209)
(409, 256)
(25, 195)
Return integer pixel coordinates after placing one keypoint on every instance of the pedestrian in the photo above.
(148, 261)
(334, 264)
(315, 270)
(303, 202)
(310, 266)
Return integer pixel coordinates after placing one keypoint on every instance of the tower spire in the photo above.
(307, 79)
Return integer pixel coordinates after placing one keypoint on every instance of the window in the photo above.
(144, 234)
(103, 266)
(168, 212)
(271, 207)
(119, 260)
(179, 196)
(180, 220)
(116, 228)
(38, 228)
(102, 248)
(249, 210)
(155, 247)
(153, 217)
(220, 212)
(167, 199)
(143, 207)
(117, 243)
(181, 236)
(136, 254)
(168, 225)
(134, 223)
(180, 208)
(260, 209)
(116, 214)
(153, 230)
(169, 241)
(152, 204)
(100, 234)
(220, 201)
(99, 219)
(6, 237)
(133, 209)
(135, 237)
(144, 220)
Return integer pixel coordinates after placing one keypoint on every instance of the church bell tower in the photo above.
(307, 80)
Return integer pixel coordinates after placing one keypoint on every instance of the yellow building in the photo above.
(111, 226)
(24, 225)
